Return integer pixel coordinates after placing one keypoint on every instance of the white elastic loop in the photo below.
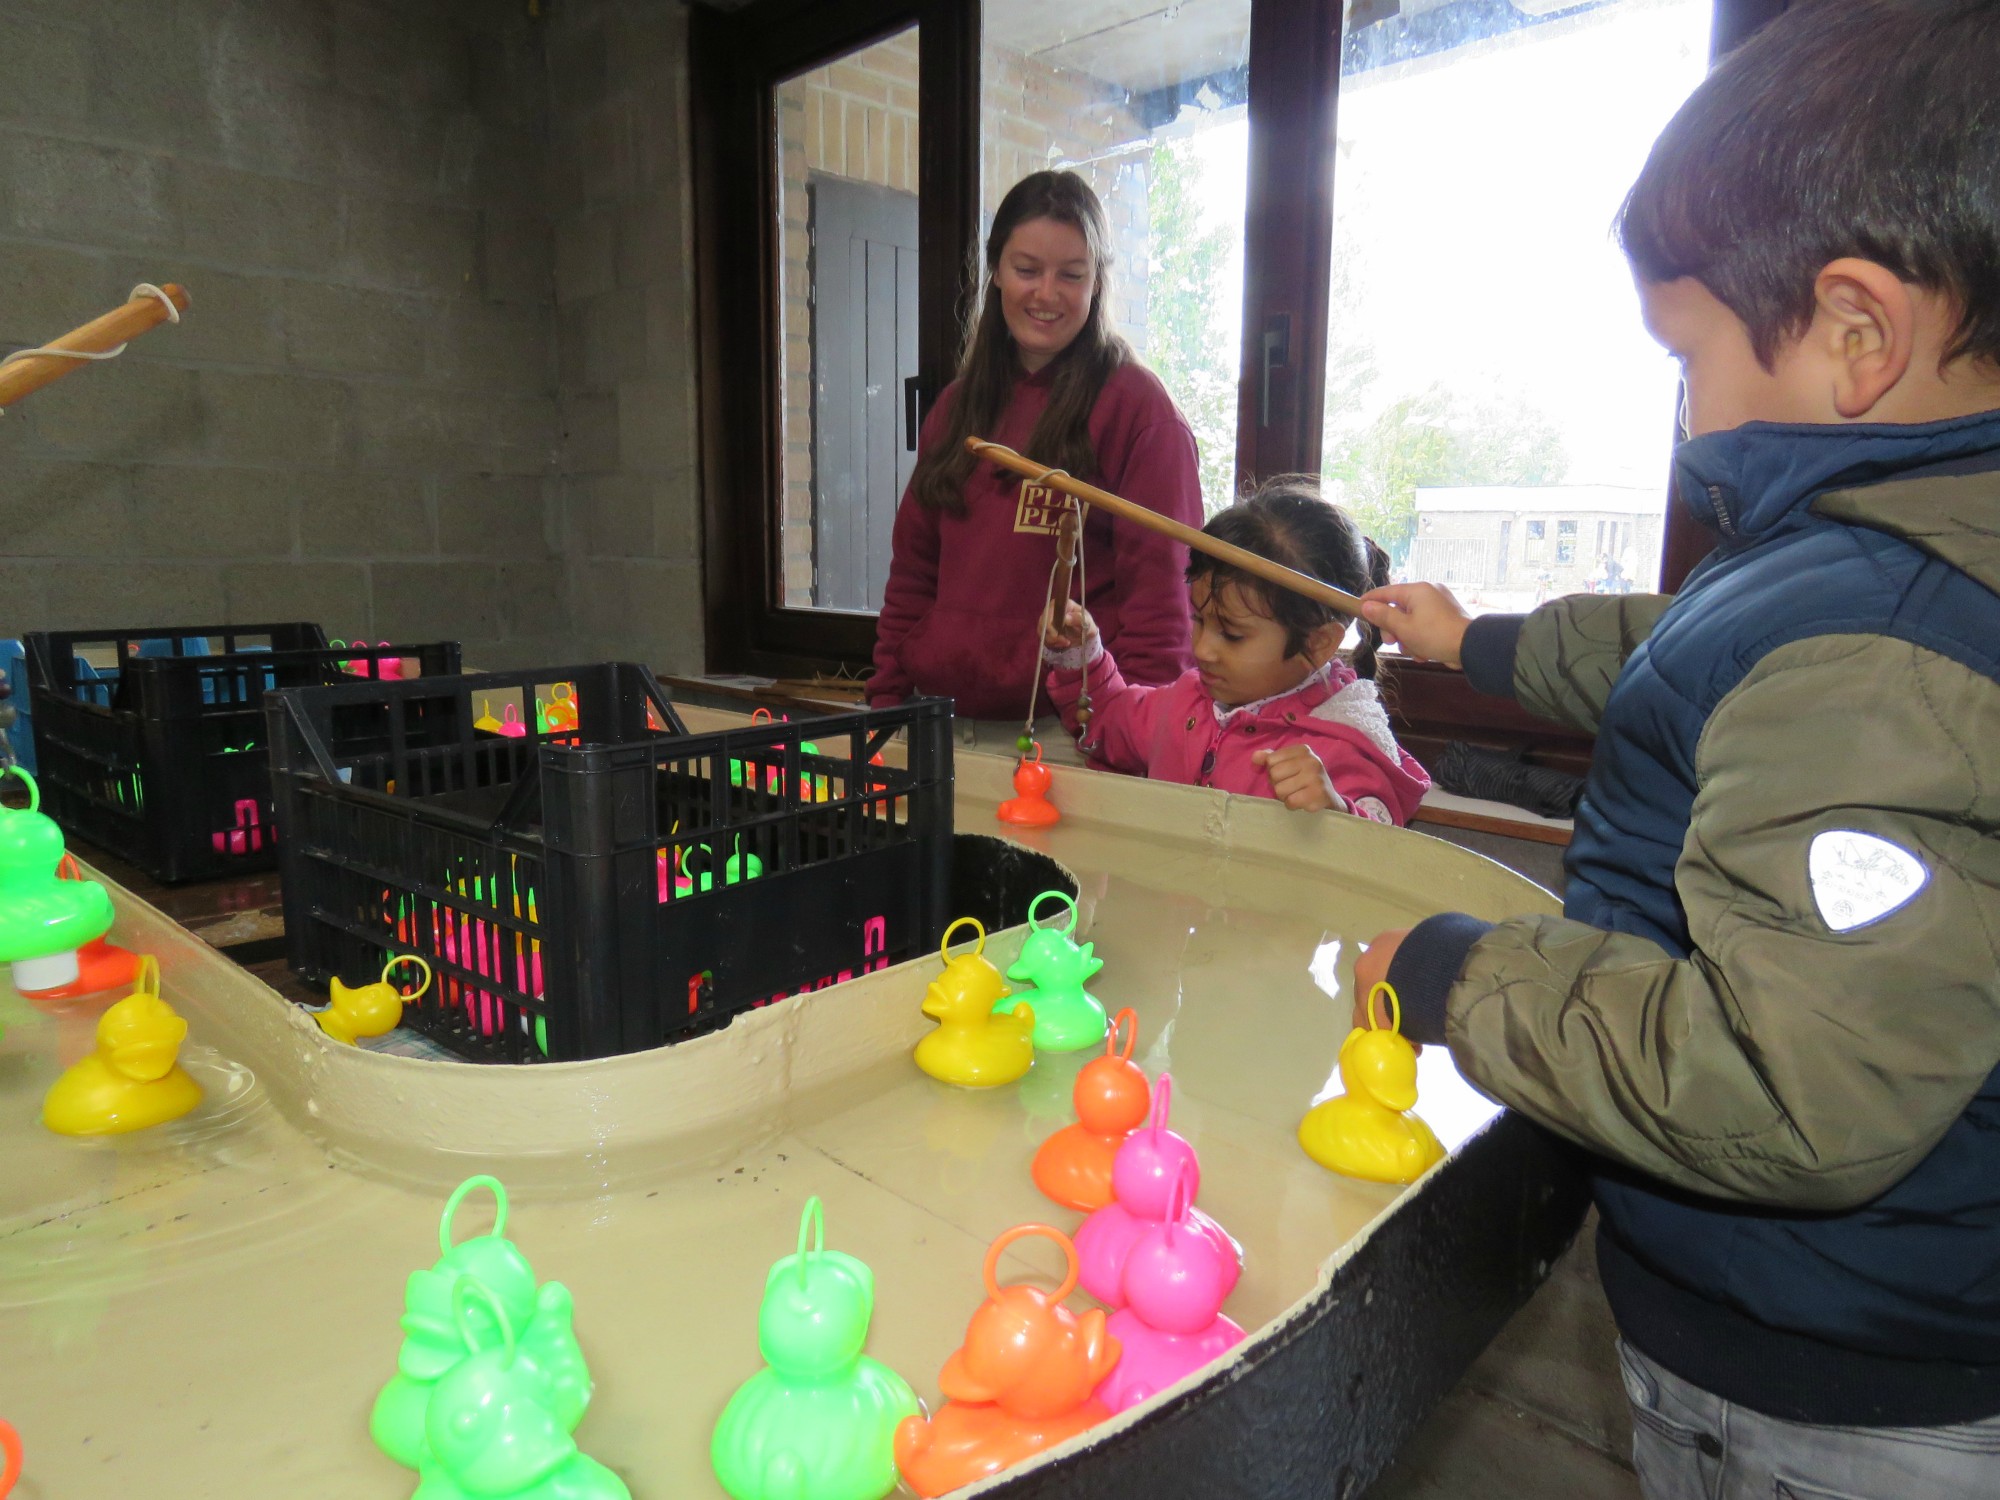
(145, 288)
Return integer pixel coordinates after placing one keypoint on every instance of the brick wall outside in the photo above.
(356, 423)
(857, 119)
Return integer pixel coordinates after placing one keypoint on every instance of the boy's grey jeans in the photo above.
(1690, 1445)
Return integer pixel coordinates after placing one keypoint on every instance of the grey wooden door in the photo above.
(864, 347)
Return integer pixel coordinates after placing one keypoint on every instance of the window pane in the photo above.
(1487, 370)
(1147, 102)
(847, 207)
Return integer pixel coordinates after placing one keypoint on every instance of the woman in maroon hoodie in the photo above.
(1044, 373)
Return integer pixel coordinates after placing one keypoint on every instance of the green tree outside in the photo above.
(1375, 455)
(1187, 341)
(1376, 452)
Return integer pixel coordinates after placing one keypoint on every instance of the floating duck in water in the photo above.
(1111, 1095)
(44, 920)
(435, 1340)
(1143, 1177)
(1368, 1131)
(488, 1431)
(1020, 1383)
(1068, 1017)
(134, 1079)
(100, 963)
(819, 1421)
(1031, 808)
(972, 1046)
(1174, 1282)
(373, 1009)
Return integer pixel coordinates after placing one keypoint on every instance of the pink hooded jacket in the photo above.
(1174, 733)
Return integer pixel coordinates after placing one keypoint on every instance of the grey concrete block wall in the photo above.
(620, 176)
(358, 421)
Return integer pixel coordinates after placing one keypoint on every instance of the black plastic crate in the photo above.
(555, 881)
(158, 754)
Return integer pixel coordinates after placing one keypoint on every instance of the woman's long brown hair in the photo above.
(991, 365)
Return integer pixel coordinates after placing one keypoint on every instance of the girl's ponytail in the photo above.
(1369, 637)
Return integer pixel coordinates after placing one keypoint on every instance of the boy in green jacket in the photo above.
(1772, 1006)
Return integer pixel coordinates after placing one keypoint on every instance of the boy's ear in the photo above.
(1865, 329)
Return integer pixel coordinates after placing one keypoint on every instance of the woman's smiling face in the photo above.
(1047, 282)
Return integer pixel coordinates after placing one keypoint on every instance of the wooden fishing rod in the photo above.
(1068, 534)
(1152, 520)
(34, 369)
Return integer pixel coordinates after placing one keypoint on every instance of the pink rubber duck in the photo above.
(1142, 1187)
(1176, 1280)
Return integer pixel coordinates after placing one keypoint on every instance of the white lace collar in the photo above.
(1313, 678)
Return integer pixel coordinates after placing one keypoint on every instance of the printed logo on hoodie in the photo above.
(1039, 508)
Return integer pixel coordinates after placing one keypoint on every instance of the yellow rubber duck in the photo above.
(972, 1046)
(134, 1079)
(1368, 1131)
(373, 1009)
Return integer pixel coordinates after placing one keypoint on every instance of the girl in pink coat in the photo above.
(1270, 708)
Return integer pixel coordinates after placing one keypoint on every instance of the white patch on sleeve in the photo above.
(1359, 706)
(1858, 878)
(1373, 809)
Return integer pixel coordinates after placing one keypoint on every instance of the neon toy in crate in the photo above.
(528, 870)
(156, 753)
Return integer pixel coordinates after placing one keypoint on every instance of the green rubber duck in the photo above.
(434, 1342)
(43, 919)
(818, 1422)
(1068, 1017)
(488, 1434)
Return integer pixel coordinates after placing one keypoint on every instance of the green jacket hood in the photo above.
(1953, 517)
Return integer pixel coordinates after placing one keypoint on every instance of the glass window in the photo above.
(847, 215)
(1485, 355)
(1148, 102)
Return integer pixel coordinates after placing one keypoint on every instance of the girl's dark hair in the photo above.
(1289, 521)
(1868, 128)
(991, 365)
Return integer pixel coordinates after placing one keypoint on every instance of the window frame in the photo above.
(738, 59)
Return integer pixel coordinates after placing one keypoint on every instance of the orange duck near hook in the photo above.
(1021, 1382)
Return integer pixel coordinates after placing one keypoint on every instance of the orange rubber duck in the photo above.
(100, 963)
(1112, 1096)
(1032, 808)
(1020, 1383)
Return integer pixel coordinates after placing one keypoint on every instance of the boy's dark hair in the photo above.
(1289, 521)
(1868, 128)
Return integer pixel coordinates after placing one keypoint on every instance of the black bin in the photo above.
(572, 887)
(158, 756)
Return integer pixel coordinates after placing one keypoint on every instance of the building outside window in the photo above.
(1486, 361)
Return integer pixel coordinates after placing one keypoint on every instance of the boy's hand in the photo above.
(1423, 618)
(1076, 628)
(1299, 779)
(1371, 967)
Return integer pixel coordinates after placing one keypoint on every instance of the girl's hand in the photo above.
(1076, 628)
(1299, 779)
(1423, 618)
